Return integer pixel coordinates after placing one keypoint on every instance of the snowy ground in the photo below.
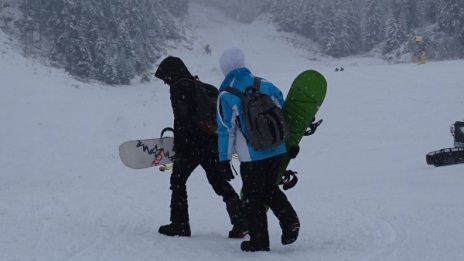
(365, 191)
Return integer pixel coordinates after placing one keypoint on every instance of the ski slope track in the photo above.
(364, 192)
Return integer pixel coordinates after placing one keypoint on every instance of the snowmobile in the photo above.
(450, 156)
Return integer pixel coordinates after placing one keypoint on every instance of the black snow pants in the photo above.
(183, 168)
(260, 190)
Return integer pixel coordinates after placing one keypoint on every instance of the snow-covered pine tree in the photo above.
(430, 12)
(394, 33)
(450, 18)
(74, 43)
(107, 40)
(326, 31)
(338, 29)
(408, 14)
(307, 18)
(283, 19)
(178, 8)
(372, 23)
(350, 26)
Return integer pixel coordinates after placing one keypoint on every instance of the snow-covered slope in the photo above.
(365, 192)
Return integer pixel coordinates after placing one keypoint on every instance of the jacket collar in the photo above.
(231, 76)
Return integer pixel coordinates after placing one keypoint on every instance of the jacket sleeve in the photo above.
(226, 127)
(182, 106)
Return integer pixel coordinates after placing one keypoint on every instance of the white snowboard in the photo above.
(140, 154)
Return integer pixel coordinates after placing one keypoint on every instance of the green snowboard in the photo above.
(300, 107)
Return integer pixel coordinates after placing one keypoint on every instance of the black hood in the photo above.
(172, 69)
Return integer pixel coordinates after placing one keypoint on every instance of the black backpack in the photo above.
(204, 116)
(264, 120)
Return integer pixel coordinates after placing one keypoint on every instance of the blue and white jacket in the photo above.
(230, 118)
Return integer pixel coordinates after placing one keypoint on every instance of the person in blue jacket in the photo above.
(258, 169)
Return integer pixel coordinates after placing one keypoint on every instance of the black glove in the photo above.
(225, 170)
(293, 152)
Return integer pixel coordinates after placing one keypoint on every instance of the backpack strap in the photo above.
(239, 94)
(196, 81)
(254, 87)
(256, 84)
(234, 91)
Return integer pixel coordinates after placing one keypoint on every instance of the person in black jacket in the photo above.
(194, 147)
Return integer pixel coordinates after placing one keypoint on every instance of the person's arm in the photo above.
(226, 127)
(181, 101)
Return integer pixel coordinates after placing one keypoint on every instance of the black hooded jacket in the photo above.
(188, 138)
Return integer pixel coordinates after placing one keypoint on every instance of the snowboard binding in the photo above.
(450, 156)
(166, 167)
(289, 179)
(312, 128)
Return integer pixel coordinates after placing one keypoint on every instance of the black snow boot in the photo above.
(238, 232)
(234, 209)
(175, 229)
(250, 246)
(290, 233)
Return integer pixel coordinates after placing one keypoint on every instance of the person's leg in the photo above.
(179, 226)
(280, 205)
(223, 188)
(254, 185)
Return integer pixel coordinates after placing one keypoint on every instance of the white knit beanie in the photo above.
(231, 59)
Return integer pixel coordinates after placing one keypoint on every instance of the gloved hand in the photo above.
(225, 170)
(293, 152)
